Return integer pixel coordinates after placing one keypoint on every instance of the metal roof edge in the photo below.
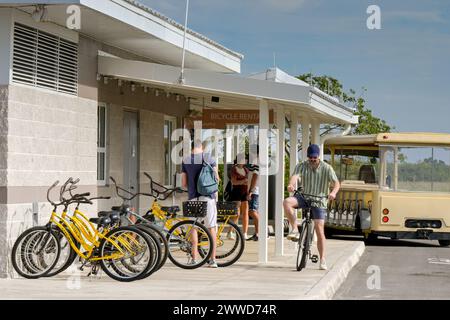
(172, 22)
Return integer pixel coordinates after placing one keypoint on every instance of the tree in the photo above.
(368, 123)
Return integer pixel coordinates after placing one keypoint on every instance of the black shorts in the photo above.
(239, 193)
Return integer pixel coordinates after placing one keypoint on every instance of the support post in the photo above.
(264, 180)
(279, 187)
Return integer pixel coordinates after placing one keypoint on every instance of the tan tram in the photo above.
(395, 185)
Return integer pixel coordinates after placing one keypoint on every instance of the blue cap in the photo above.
(313, 151)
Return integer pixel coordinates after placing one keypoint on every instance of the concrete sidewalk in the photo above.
(277, 280)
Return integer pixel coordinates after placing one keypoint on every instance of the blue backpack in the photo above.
(207, 183)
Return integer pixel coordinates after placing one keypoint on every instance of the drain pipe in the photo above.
(346, 131)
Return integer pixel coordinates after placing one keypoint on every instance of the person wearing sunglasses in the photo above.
(316, 177)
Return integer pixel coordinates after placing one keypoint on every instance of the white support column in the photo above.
(279, 187)
(263, 180)
(305, 136)
(293, 157)
(315, 132)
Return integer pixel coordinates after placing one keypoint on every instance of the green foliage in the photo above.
(368, 123)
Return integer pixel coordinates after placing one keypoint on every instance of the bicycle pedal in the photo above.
(315, 258)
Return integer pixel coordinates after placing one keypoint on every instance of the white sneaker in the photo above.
(231, 235)
(294, 236)
(323, 265)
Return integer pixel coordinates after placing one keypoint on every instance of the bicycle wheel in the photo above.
(35, 252)
(67, 255)
(126, 254)
(155, 247)
(179, 239)
(229, 251)
(303, 246)
(161, 241)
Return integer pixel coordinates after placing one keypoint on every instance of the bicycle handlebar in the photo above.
(166, 192)
(133, 195)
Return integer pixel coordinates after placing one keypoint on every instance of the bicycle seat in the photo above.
(171, 210)
(113, 215)
(102, 221)
(122, 208)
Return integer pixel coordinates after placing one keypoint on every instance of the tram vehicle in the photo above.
(394, 185)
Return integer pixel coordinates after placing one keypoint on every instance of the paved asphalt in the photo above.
(399, 269)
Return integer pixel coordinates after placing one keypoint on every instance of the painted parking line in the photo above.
(438, 261)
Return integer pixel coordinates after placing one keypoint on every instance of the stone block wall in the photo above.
(51, 136)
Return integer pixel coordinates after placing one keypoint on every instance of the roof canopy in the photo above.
(134, 27)
(234, 91)
(404, 138)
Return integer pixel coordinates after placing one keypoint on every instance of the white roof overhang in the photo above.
(133, 27)
(234, 91)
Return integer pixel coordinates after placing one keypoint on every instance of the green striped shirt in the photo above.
(316, 181)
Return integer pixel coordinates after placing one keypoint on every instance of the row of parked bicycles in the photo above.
(127, 246)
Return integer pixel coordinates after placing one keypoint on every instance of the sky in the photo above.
(405, 65)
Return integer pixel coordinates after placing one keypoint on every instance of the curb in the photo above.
(330, 283)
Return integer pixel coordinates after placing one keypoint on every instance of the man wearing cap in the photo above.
(315, 178)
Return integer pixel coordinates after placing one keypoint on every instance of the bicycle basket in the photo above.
(227, 208)
(195, 209)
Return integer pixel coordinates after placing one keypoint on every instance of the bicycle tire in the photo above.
(120, 275)
(161, 240)
(23, 242)
(236, 247)
(70, 257)
(303, 246)
(155, 244)
(180, 241)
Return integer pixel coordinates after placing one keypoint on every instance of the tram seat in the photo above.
(367, 173)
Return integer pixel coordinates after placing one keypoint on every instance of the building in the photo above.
(90, 89)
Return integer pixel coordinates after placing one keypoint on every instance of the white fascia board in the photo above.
(337, 111)
(144, 21)
(6, 39)
(203, 80)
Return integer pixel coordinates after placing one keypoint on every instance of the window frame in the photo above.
(104, 149)
(172, 180)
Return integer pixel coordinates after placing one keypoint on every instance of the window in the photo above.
(45, 61)
(169, 165)
(361, 164)
(416, 169)
(101, 145)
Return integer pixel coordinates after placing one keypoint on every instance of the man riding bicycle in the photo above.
(315, 178)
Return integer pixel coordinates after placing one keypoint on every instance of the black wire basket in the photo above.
(227, 208)
(195, 209)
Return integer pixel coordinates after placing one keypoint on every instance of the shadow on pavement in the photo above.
(385, 242)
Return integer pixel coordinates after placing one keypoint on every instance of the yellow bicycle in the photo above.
(185, 236)
(123, 253)
(228, 250)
